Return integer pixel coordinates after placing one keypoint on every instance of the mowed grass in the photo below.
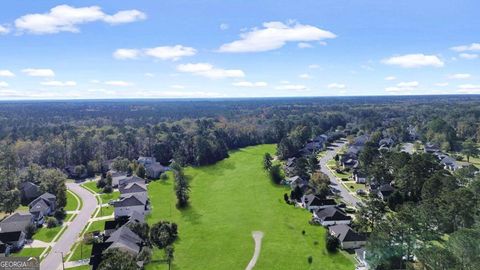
(93, 186)
(47, 234)
(106, 197)
(72, 202)
(28, 252)
(229, 200)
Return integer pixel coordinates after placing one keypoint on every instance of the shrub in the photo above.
(310, 259)
(275, 174)
(30, 231)
(164, 176)
(52, 222)
(332, 243)
(107, 189)
(60, 214)
(101, 183)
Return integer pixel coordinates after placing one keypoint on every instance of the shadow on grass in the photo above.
(190, 215)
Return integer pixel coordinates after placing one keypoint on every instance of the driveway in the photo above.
(344, 192)
(53, 261)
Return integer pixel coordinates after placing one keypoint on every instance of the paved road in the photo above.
(54, 259)
(344, 193)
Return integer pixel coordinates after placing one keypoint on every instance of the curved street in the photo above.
(344, 192)
(53, 261)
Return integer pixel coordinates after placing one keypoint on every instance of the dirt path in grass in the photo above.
(257, 236)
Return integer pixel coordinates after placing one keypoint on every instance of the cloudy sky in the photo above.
(248, 48)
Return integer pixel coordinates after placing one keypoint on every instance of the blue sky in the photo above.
(185, 49)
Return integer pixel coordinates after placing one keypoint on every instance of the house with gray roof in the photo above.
(331, 216)
(43, 206)
(153, 169)
(313, 202)
(16, 222)
(348, 238)
(29, 191)
(128, 203)
(134, 187)
(117, 177)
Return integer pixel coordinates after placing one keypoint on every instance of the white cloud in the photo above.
(162, 52)
(250, 84)
(118, 83)
(275, 35)
(305, 76)
(460, 76)
(469, 88)
(390, 78)
(125, 16)
(6, 73)
(39, 72)
(208, 70)
(313, 66)
(464, 48)
(441, 84)
(170, 52)
(336, 86)
(126, 54)
(414, 61)
(59, 83)
(304, 45)
(150, 75)
(3, 84)
(468, 56)
(224, 26)
(403, 87)
(65, 18)
(4, 30)
(292, 87)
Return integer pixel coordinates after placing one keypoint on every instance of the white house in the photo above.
(331, 216)
(312, 202)
(129, 203)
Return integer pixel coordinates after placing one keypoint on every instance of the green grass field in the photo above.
(105, 211)
(229, 200)
(106, 197)
(93, 186)
(98, 225)
(82, 251)
(72, 202)
(46, 234)
(28, 252)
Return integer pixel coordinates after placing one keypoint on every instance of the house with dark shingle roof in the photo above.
(348, 238)
(450, 163)
(384, 191)
(29, 191)
(331, 216)
(312, 202)
(131, 179)
(153, 169)
(16, 222)
(117, 177)
(134, 187)
(15, 240)
(129, 203)
(43, 206)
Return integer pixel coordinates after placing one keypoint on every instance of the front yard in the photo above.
(28, 252)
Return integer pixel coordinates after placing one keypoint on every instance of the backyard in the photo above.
(229, 200)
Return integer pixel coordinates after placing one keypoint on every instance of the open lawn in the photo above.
(93, 186)
(98, 225)
(106, 197)
(105, 211)
(353, 187)
(46, 234)
(82, 251)
(72, 201)
(229, 200)
(28, 252)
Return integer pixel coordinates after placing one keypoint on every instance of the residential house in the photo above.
(450, 163)
(431, 148)
(117, 177)
(123, 239)
(313, 202)
(359, 177)
(129, 203)
(13, 229)
(386, 142)
(384, 191)
(360, 141)
(4, 249)
(134, 187)
(43, 206)
(295, 182)
(290, 166)
(29, 191)
(331, 216)
(348, 238)
(153, 169)
(130, 179)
